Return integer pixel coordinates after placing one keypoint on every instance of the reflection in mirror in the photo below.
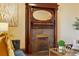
(42, 15)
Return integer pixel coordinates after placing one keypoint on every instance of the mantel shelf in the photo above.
(43, 24)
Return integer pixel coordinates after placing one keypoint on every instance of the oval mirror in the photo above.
(42, 15)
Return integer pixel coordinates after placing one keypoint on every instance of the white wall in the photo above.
(66, 17)
(19, 31)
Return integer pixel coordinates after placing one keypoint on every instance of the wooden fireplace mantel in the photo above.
(51, 7)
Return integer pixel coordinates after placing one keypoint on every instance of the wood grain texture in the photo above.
(51, 7)
(44, 5)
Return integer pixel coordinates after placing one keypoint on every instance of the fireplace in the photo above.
(42, 39)
(42, 42)
(41, 19)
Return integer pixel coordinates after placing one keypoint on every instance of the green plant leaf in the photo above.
(61, 43)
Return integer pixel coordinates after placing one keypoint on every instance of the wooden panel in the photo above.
(44, 5)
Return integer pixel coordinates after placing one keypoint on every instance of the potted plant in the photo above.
(61, 45)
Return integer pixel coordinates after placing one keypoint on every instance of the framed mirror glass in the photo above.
(42, 15)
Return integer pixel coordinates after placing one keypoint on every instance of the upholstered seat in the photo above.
(3, 47)
(6, 47)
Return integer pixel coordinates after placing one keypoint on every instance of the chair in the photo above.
(17, 51)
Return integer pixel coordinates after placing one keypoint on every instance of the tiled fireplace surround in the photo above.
(49, 32)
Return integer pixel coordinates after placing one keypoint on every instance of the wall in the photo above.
(66, 17)
(19, 31)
